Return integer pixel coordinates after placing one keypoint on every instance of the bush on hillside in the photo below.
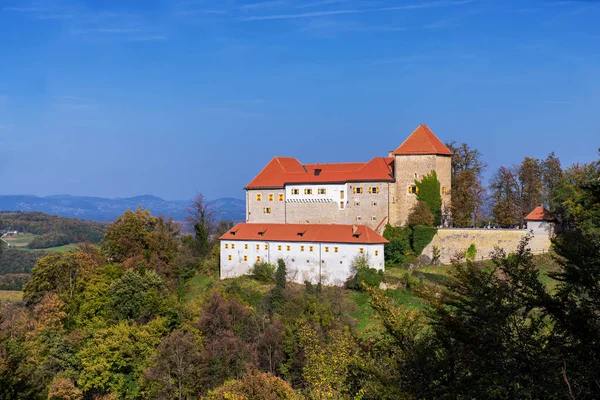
(398, 248)
(263, 271)
(421, 237)
(363, 273)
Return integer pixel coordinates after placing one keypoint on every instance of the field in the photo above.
(7, 296)
(20, 241)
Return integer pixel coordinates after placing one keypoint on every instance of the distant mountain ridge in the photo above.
(105, 210)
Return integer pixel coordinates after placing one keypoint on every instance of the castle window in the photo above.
(358, 218)
(362, 250)
(258, 247)
(342, 205)
(295, 191)
(307, 191)
(310, 248)
(357, 190)
(326, 249)
(301, 248)
(245, 258)
(413, 189)
(257, 258)
(335, 249)
(233, 245)
(258, 197)
(443, 189)
(376, 252)
(267, 210)
(229, 257)
(226, 245)
(373, 218)
(356, 203)
(279, 247)
(266, 247)
(341, 194)
(288, 248)
(271, 197)
(322, 191)
(374, 190)
(374, 203)
(246, 246)
(280, 197)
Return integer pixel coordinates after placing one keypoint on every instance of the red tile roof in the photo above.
(287, 170)
(316, 233)
(422, 141)
(539, 214)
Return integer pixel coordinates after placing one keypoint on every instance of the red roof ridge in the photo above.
(422, 141)
(539, 214)
(325, 233)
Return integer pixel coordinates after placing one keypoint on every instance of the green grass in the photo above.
(65, 248)
(20, 240)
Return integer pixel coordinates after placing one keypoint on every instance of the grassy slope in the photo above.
(10, 296)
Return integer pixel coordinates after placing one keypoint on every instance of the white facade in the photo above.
(305, 261)
(313, 193)
(541, 227)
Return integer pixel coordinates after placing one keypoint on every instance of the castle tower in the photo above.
(421, 153)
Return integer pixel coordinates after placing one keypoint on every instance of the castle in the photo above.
(369, 193)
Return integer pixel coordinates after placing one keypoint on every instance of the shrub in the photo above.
(471, 252)
(429, 193)
(363, 273)
(420, 215)
(263, 271)
(398, 249)
(422, 236)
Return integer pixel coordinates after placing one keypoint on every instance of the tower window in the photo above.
(444, 190)
(373, 218)
(258, 197)
(267, 210)
(374, 190)
(356, 203)
(413, 189)
(374, 203)
(357, 190)
(295, 191)
(271, 197)
(341, 205)
(358, 218)
(280, 197)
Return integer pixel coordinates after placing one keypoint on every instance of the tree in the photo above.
(420, 215)
(530, 178)
(552, 175)
(576, 305)
(277, 293)
(138, 239)
(173, 370)
(429, 193)
(202, 217)
(139, 296)
(506, 196)
(468, 192)
(254, 385)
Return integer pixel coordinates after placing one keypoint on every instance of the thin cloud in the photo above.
(148, 38)
(433, 4)
(321, 3)
(73, 98)
(302, 15)
(26, 9)
(262, 4)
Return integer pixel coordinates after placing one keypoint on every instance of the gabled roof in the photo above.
(287, 170)
(422, 141)
(315, 233)
(539, 214)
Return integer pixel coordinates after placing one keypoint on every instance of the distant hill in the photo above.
(105, 210)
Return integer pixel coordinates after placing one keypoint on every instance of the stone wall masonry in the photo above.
(255, 212)
(451, 242)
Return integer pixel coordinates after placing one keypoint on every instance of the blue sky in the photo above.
(119, 98)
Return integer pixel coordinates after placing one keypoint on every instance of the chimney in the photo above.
(391, 153)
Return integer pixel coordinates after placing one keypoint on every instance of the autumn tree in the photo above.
(173, 371)
(420, 214)
(468, 191)
(552, 176)
(506, 196)
(255, 385)
(530, 179)
(139, 239)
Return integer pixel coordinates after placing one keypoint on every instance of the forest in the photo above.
(144, 315)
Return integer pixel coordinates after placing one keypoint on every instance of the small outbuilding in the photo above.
(540, 222)
(312, 252)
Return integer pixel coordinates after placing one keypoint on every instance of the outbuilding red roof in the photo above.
(422, 141)
(539, 214)
(315, 233)
(288, 170)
